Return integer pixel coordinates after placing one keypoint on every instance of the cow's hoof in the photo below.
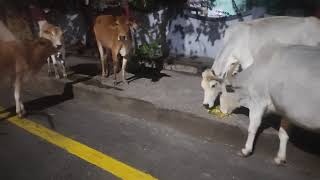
(65, 75)
(114, 83)
(57, 76)
(244, 153)
(21, 114)
(24, 112)
(125, 82)
(279, 161)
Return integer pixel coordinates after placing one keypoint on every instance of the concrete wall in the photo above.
(186, 35)
(150, 26)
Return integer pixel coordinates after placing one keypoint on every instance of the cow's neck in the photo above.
(241, 85)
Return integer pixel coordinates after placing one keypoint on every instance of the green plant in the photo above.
(149, 50)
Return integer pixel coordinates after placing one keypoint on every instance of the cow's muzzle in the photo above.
(206, 106)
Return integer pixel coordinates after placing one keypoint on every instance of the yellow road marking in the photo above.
(82, 151)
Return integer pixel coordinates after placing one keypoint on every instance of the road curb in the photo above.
(112, 101)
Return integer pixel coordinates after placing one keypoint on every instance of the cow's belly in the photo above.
(299, 105)
(305, 118)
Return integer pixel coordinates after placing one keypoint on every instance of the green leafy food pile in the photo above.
(217, 112)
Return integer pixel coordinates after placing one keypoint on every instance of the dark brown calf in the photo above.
(21, 59)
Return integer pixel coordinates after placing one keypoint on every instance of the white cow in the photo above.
(246, 38)
(284, 79)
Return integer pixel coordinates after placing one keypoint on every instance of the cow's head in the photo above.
(123, 26)
(54, 34)
(213, 85)
(40, 49)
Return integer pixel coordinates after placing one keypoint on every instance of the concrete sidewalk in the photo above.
(172, 97)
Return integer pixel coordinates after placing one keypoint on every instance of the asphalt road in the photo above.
(149, 146)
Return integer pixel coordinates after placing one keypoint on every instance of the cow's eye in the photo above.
(213, 85)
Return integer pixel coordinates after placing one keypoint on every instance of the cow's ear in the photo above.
(235, 68)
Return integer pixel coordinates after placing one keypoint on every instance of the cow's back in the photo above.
(286, 30)
(103, 31)
(246, 39)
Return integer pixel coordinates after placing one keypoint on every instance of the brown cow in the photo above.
(55, 35)
(5, 33)
(21, 58)
(113, 34)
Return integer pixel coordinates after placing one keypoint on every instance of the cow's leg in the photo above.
(107, 57)
(49, 66)
(115, 66)
(102, 58)
(283, 136)
(54, 62)
(63, 52)
(255, 117)
(63, 56)
(17, 93)
(123, 53)
(63, 67)
(124, 65)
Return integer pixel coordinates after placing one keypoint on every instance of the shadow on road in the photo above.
(37, 106)
(89, 69)
(139, 70)
(148, 73)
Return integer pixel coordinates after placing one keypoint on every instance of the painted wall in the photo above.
(187, 36)
(193, 37)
